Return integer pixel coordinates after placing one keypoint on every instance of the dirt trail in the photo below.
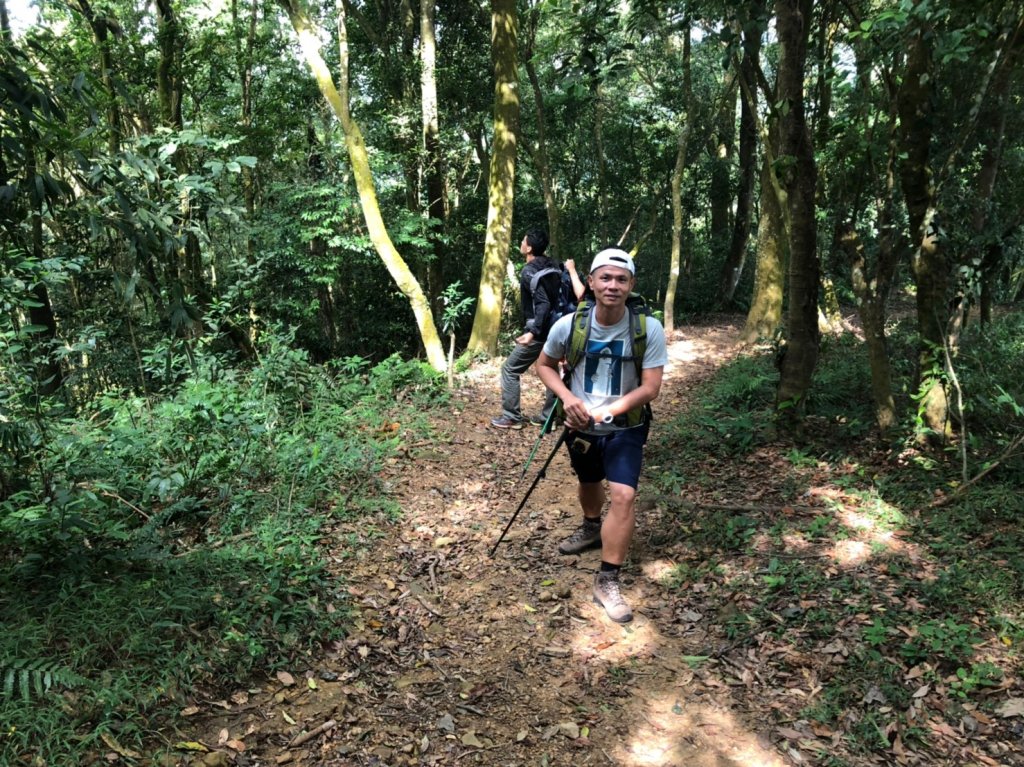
(457, 658)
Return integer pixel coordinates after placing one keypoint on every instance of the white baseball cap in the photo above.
(613, 257)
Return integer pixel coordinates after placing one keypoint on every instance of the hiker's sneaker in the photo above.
(608, 594)
(504, 422)
(538, 420)
(584, 537)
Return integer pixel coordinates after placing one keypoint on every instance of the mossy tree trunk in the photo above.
(765, 314)
(501, 177)
(928, 263)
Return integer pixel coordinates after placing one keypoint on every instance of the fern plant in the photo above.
(34, 676)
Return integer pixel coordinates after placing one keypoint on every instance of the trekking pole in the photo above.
(540, 475)
(543, 432)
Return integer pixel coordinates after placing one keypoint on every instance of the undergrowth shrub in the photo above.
(153, 546)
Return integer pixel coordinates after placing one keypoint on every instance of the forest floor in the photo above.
(456, 657)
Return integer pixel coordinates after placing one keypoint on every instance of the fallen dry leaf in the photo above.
(285, 678)
(1011, 707)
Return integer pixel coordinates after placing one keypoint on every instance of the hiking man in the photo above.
(538, 299)
(606, 412)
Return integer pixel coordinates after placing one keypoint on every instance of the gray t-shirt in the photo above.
(607, 370)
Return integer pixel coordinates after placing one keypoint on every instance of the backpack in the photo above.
(575, 351)
(565, 303)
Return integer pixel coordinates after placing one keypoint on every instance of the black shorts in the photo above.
(617, 456)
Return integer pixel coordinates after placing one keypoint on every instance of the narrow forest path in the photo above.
(457, 658)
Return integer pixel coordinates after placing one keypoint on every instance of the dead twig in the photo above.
(305, 737)
(962, 490)
(131, 506)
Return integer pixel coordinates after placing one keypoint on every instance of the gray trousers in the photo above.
(518, 362)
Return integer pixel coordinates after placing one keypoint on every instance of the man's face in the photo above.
(611, 285)
(524, 248)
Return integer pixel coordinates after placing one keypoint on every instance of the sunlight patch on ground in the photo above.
(676, 732)
(850, 553)
(659, 570)
(685, 351)
(603, 640)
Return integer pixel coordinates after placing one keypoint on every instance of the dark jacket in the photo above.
(537, 306)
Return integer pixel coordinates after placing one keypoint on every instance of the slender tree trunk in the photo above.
(539, 151)
(602, 164)
(678, 172)
(49, 377)
(735, 259)
(929, 269)
(720, 189)
(436, 197)
(244, 61)
(991, 127)
(487, 321)
(103, 28)
(801, 356)
(337, 98)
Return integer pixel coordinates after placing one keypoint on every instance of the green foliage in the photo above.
(948, 640)
(26, 678)
(177, 542)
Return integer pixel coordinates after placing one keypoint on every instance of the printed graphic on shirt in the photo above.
(603, 373)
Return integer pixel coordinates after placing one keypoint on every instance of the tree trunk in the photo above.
(872, 292)
(501, 177)
(678, 172)
(928, 266)
(765, 314)
(244, 62)
(102, 29)
(49, 377)
(991, 127)
(358, 157)
(436, 198)
(602, 163)
(799, 178)
(539, 153)
(732, 268)
(720, 188)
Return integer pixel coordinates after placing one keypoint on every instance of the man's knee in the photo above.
(622, 497)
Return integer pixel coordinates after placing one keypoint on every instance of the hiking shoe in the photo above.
(504, 422)
(538, 420)
(586, 536)
(608, 594)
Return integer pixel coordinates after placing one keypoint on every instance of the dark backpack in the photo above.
(565, 303)
(575, 350)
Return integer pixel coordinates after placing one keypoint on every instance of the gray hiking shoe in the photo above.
(608, 594)
(586, 536)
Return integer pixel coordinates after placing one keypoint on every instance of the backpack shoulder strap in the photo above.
(638, 313)
(541, 274)
(579, 336)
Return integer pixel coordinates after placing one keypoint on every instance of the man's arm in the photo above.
(647, 391)
(578, 288)
(577, 416)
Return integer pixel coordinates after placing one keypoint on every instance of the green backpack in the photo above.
(577, 347)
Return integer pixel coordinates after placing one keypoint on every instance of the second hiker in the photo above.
(540, 288)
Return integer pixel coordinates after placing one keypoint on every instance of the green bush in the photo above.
(157, 545)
